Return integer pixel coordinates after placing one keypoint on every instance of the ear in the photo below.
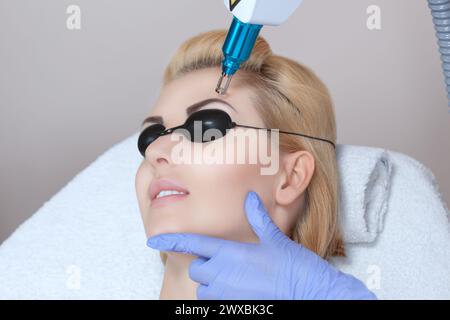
(297, 169)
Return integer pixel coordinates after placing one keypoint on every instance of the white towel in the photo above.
(365, 178)
(88, 241)
(410, 258)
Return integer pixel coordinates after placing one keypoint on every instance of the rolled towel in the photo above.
(365, 179)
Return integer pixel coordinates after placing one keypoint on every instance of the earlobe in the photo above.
(295, 176)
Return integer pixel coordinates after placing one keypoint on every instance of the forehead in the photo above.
(200, 85)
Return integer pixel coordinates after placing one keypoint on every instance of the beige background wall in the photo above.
(67, 96)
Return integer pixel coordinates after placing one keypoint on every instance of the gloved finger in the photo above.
(189, 243)
(260, 220)
(199, 271)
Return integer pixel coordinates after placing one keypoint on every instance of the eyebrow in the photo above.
(189, 110)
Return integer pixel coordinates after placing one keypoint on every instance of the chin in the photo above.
(156, 227)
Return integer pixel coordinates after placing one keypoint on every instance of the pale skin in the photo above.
(215, 204)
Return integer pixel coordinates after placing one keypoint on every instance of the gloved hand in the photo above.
(274, 268)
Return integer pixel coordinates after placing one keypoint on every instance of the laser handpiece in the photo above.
(249, 16)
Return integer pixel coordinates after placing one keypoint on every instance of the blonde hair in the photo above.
(288, 96)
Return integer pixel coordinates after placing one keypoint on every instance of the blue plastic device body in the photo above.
(238, 45)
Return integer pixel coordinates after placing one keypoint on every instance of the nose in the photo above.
(158, 153)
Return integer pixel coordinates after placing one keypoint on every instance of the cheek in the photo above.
(220, 192)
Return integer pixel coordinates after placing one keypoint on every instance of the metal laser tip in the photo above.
(222, 90)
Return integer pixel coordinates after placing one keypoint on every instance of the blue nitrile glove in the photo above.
(274, 268)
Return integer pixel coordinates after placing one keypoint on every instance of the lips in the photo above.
(165, 184)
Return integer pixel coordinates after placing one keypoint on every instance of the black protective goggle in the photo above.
(210, 119)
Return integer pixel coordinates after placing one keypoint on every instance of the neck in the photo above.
(176, 284)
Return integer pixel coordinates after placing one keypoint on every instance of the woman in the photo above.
(268, 91)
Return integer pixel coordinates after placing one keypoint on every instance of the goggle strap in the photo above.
(299, 134)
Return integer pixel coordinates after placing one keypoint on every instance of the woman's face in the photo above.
(215, 203)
